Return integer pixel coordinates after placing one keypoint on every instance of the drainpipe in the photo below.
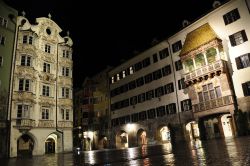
(176, 93)
(59, 131)
(9, 101)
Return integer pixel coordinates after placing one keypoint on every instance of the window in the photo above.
(148, 78)
(231, 16)
(176, 46)
(132, 85)
(138, 66)
(243, 61)
(1, 61)
(178, 65)
(246, 88)
(171, 108)
(65, 71)
(2, 40)
(142, 115)
(45, 91)
(157, 74)
(139, 81)
(131, 70)
(65, 114)
(24, 85)
(46, 67)
(169, 88)
(164, 53)
(166, 70)
(27, 39)
(66, 54)
(141, 98)
(123, 73)
(155, 58)
(45, 113)
(65, 92)
(47, 48)
(160, 111)
(209, 92)
(151, 113)
(146, 62)
(133, 100)
(3, 22)
(25, 60)
(181, 84)
(135, 117)
(22, 111)
(159, 91)
(186, 105)
(238, 38)
(150, 94)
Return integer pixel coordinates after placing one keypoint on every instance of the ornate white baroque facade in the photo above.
(41, 105)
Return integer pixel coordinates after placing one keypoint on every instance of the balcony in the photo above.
(24, 96)
(205, 71)
(212, 104)
(46, 123)
(65, 124)
(25, 124)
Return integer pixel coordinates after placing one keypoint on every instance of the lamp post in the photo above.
(80, 136)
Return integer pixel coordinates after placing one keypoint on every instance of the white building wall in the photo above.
(43, 129)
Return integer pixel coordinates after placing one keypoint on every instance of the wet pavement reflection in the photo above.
(231, 151)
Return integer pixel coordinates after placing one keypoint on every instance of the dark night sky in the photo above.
(104, 33)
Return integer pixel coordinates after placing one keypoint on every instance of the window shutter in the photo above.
(244, 87)
(182, 107)
(238, 63)
(244, 36)
(190, 103)
(179, 84)
(174, 106)
(237, 14)
(232, 40)
(225, 19)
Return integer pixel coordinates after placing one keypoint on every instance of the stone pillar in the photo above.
(205, 56)
(177, 132)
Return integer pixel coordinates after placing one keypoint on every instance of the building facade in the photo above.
(92, 111)
(41, 97)
(7, 39)
(191, 85)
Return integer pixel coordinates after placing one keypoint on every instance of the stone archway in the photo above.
(164, 134)
(121, 139)
(192, 130)
(53, 143)
(141, 137)
(226, 122)
(50, 146)
(25, 145)
(103, 142)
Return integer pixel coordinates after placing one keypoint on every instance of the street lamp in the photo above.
(80, 136)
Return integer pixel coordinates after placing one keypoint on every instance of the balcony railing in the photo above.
(65, 124)
(211, 104)
(46, 123)
(25, 123)
(205, 70)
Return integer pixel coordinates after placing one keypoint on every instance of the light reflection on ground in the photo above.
(233, 151)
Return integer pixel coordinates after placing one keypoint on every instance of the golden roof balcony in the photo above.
(204, 72)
